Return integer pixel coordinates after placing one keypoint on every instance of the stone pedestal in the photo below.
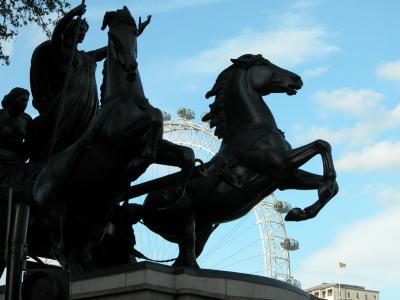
(149, 281)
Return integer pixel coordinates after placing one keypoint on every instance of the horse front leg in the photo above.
(299, 156)
(149, 151)
(303, 180)
(326, 184)
(187, 246)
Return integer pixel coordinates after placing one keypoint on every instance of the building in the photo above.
(331, 291)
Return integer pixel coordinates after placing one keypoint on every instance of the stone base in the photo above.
(153, 281)
(149, 281)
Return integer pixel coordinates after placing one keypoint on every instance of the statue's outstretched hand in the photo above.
(143, 25)
(79, 10)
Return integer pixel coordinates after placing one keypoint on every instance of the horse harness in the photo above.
(227, 160)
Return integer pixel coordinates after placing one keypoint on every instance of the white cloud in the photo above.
(314, 133)
(368, 247)
(372, 118)
(354, 102)
(361, 134)
(314, 72)
(385, 195)
(286, 47)
(389, 71)
(384, 156)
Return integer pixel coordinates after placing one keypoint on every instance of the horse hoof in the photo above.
(186, 265)
(296, 214)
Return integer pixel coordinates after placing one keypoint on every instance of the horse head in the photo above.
(239, 90)
(122, 52)
(268, 78)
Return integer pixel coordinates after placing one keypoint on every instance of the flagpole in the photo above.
(340, 295)
(340, 266)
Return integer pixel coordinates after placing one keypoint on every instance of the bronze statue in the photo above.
(13, 154)
(13, 124)
(63, 86)
(82, 159)
(80, 185)
(254, 159)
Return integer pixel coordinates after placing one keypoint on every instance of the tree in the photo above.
(18, 13)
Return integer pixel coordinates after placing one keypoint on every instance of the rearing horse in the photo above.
(254, 160)
(80, 186)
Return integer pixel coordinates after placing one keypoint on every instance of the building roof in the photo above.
(325, 285)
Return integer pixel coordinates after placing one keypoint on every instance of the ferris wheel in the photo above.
(269, 246)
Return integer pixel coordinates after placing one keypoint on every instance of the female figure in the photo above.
(64, 93)
(13, 153)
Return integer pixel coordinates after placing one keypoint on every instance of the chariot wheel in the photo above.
(255, 244)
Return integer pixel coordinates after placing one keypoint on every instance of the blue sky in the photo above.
(348, 54)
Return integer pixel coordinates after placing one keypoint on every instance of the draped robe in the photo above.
(71, 101)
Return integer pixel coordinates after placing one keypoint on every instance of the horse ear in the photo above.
(106, 19)
(206, 117)
(239, 61)
(210, 94)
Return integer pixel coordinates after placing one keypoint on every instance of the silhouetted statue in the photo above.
(13, 120)
(254, 160)
(64, 91)
(80, 186)
(13, 153)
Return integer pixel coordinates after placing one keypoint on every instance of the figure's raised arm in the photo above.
(98, 54)
(143, 25)
(62, 24)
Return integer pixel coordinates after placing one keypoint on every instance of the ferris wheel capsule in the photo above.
(166, 116)
(290, 244)
(294, 282)
(282, 207)
(186, 113)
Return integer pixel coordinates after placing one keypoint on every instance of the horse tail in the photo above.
(138, 254)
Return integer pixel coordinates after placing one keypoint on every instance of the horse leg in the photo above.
(56, 219)
(149, 151)
(303, 180)
(299, 156)
(2, 265)
(187, 245)
(202, 236)
(150, 138)
(81, 256)
(179, 156)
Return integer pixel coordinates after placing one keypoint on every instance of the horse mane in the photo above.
(221, 91)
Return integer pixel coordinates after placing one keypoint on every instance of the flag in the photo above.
(342, 264)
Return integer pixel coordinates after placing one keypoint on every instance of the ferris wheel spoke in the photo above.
(242, 261)
(236, 253)
(223, 241)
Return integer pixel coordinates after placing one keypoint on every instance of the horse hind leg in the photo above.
(202, 236)
(303, 180)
